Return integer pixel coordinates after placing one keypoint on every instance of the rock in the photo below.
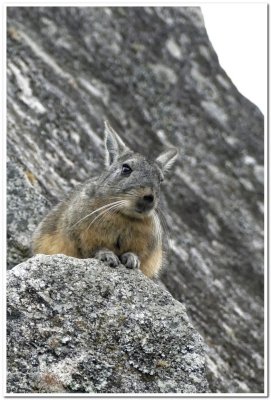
(80, 326)
(153, 73)
(26, 207)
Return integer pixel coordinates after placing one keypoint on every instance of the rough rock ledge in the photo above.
(80, 326)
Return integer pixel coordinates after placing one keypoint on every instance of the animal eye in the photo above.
(126, 170)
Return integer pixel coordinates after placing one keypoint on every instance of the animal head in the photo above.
(130, 178)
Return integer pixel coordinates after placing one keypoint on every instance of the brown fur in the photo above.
(55, 243)
(135, 235)
(113, 212)
(114, 231)
(151, 264)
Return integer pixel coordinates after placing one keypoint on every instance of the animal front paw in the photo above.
(130, 260)
(108, 257)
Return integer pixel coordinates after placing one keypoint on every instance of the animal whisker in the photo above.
(107, 211)
(93, 212)
(111, 211)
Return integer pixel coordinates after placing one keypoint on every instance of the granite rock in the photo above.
(80, 326)
(25, 207)
(153, 73)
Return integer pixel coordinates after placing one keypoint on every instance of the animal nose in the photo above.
(148, 199)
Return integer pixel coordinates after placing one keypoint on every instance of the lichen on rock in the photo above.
(81, 326)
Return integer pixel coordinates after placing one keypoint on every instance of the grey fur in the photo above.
(135, 194)
(113, 144)
(145, 174)
(167, 158)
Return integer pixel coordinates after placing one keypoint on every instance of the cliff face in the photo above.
(153, 73)
(80, 326)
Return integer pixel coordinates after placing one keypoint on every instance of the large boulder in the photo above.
(80, 326)
(153, 73)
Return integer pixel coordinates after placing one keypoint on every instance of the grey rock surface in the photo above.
(25, 207)
(80, 326)
(153, 73)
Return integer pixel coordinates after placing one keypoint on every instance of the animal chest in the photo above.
(120, 234)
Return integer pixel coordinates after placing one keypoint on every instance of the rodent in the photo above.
(112, 217)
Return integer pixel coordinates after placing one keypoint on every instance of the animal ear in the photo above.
(167, 158)
(114, 145)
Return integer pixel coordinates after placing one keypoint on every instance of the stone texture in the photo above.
(25, 207)
(152, 72)
(80, 326)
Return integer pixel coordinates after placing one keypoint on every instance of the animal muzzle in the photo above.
(145, 203)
